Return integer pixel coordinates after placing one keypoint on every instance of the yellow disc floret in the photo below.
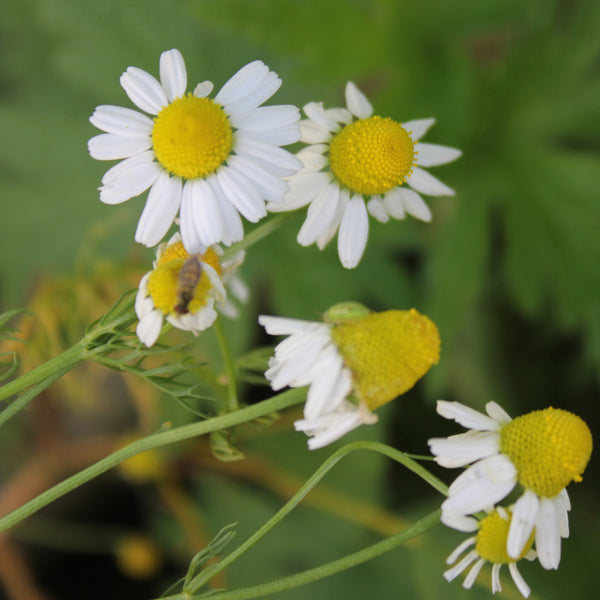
(387, 352)
(191, 137)
(177, 250)
(549, 448)
(491, 539)
(163, 287)
(372, 156)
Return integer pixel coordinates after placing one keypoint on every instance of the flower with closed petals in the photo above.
(356, 163)
(210, 160)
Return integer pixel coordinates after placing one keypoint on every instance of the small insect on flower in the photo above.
(189, 276)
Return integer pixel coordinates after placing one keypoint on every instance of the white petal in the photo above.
(357, 102)
(459, 567)
(342, 204)
(460, 450)
(431, 155)
(427, 184)
(321, 212)
(148, 329)
(497, 413)
(242, 194)
(143, 90)
(160, 210)
(268, 86)
(341, 115)
(270, 186)
(277, 160)
(108, 146)
(304, 187)
(312, 157)
(376, 210)
(524, 515)
(496, 585)
(315, 112)
(187, 221)
(418, 127)
(173, 75)
(205, 211)
(203, 89)
(122, 169)
(312, 133)
(461, 548)
(121, 121)
(319, 399)
(136, 181)
(547, 535)
(414, 205)
(353, 233)
(233, 229)
(518, 579)
(283, 325)
(472, 575)
(281, 136)
(393, 204)
(466, 416)
(460, 523)
(243, 82)
(562, 506)
(266, 117)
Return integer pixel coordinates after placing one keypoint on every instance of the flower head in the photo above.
(490, 546)
(542, 451)
(208, 159)
(354, 156)
(183, 289)
(353, 362)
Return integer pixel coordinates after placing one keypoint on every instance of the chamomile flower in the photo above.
(184, 289)
(542, 451)
(489, 544)
(354, 362)
(208, 159)
(354, 157)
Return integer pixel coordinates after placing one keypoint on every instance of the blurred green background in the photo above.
(508, 269)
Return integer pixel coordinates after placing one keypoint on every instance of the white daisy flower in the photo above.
(490, 546)
(210, 160)
(353, 158)
(353, 362)
(185, 289)
(543, 451)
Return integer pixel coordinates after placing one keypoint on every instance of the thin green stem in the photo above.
(232, 395)
(327, 465)
(155, 440)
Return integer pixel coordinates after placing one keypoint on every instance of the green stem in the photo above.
(327, 465)
(155, 440)
(326, 570)
(61, 363)
(232, 396)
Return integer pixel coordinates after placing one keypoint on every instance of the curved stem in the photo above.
(232, 396)
(155, 440)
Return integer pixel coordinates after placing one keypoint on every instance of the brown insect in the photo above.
(189, 276)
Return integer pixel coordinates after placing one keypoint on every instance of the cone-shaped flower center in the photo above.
(549, 448)
(372, 156)
(387, 352)
(164, 282)
(491, 539)
(191, 137)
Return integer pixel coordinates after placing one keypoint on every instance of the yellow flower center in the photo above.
(191, 137)
(163, 283)
(549, 448)
(491, 539)
(387, 352)
(372, 156)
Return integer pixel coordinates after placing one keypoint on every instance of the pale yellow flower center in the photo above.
(549, 448)
(191, 137)
(387, 352)
(491, 539)
(163, 283)
(372, 156)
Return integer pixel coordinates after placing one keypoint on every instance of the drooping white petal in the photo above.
(143, 90)
(319, 398)
(460, 450)
(518, 579)
(459, 567)
(376, 210)
(353, 233)
(472, 574)
(496, 585)
(418, 127)
(461, 548)
(266, 117)
(160, 210)
(466, 416)
(108, 146)
(415, 205)
(321, 212)
(431, 155)
(137, 180)
(523, 520)
(173, 75)
(427, 184)
(121, 121)
(357, 102)
(547, 535)
(562, 505)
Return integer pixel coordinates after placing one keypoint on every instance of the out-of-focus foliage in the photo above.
(507, 269)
